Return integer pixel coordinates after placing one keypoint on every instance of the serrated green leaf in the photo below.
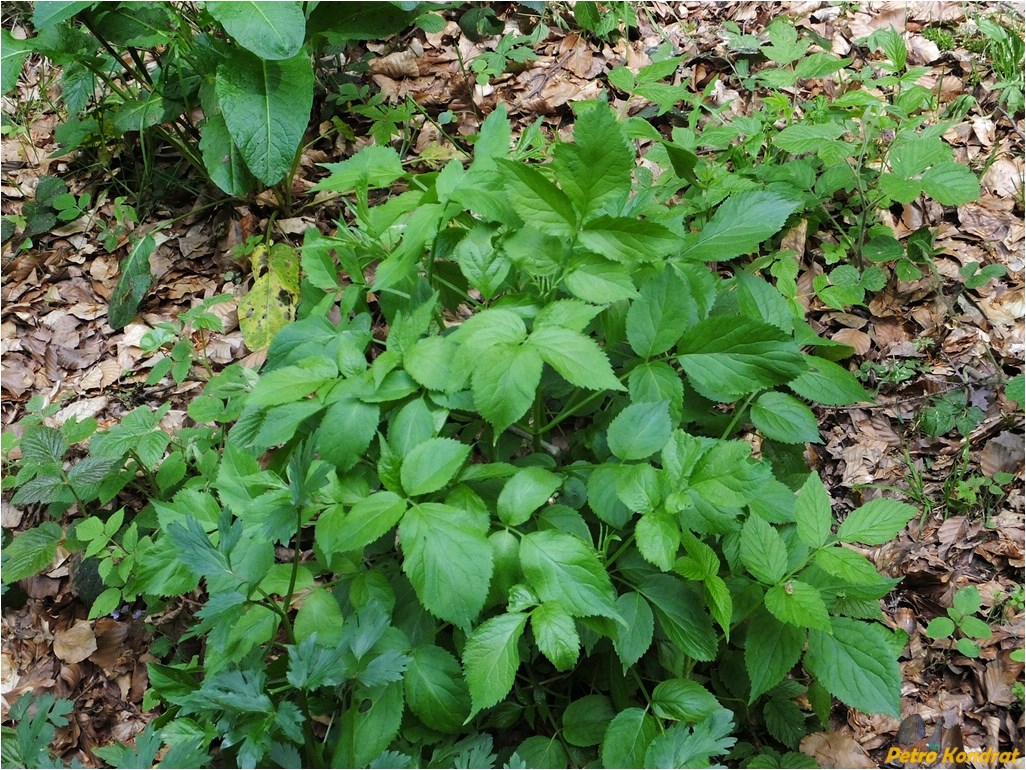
(855, 664)
(951, 184)
(739, 225)
(683, 700)
(31, 552)
(861, 577)
(784, 418)
(728, 357)
(537, 200)
(633, 639)
(725, 476)
(659, 317)
(435, 689)
(627, 240)
(540, 751)
(798, 604)
(447, 559)
(42, 445)
(785, 721)
(681, 746)
(762, 550)
(493, 139)
(799, 138)
(560, 567)
(429, 362)
(657, 381)
(133, 283)
(482, 264)
(585, 720)
(368, 727)
(524, 493)
(657, 535)
(772, 649)
(603, 498)
(491, 659)
(678, 607)
(346, 431)
(812, 512)
(639, 431)
(627, 738)
(372, 166)
(430, 466)
(504, 383)
(596, 169)
(11, 59)
(320, 614)
(556, 635)
(266, 106)
(270, 30)
(578, 359)
(824, 382)
(721, 603)
(597, 280)
(339, 531)
(876, 522)
(292, 383)
(566, 313)
(105, 603)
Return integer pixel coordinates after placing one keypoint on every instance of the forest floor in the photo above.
(935, 350)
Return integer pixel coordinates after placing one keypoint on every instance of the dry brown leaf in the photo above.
(859, 340)
(110, 635)
(1004, 177)
(1002, 454)
(921, 50)
(398, 65)
(75, 644)
(835, 750)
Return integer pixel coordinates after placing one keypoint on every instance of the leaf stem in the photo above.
(737, 416)
(619, 551)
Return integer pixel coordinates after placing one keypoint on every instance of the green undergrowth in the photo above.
(522, 482)
(527, 509)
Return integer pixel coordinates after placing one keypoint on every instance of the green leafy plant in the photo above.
(977, 275)
(962, 615)
(606, 20)
(951, 411)
(892, 371)
(515, 49)
(876, 145)
(176, 337)
(37, 719)
(252, 83)
(518, 510)
(1006, 51)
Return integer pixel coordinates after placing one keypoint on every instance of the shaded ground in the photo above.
(914, 341)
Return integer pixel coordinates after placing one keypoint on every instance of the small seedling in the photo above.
(977, 275)
(962, 616)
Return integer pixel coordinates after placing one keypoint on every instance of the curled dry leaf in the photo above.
(860, 341)
(1002, 454)
(401, 64)
(835, 750)
(75, 644)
